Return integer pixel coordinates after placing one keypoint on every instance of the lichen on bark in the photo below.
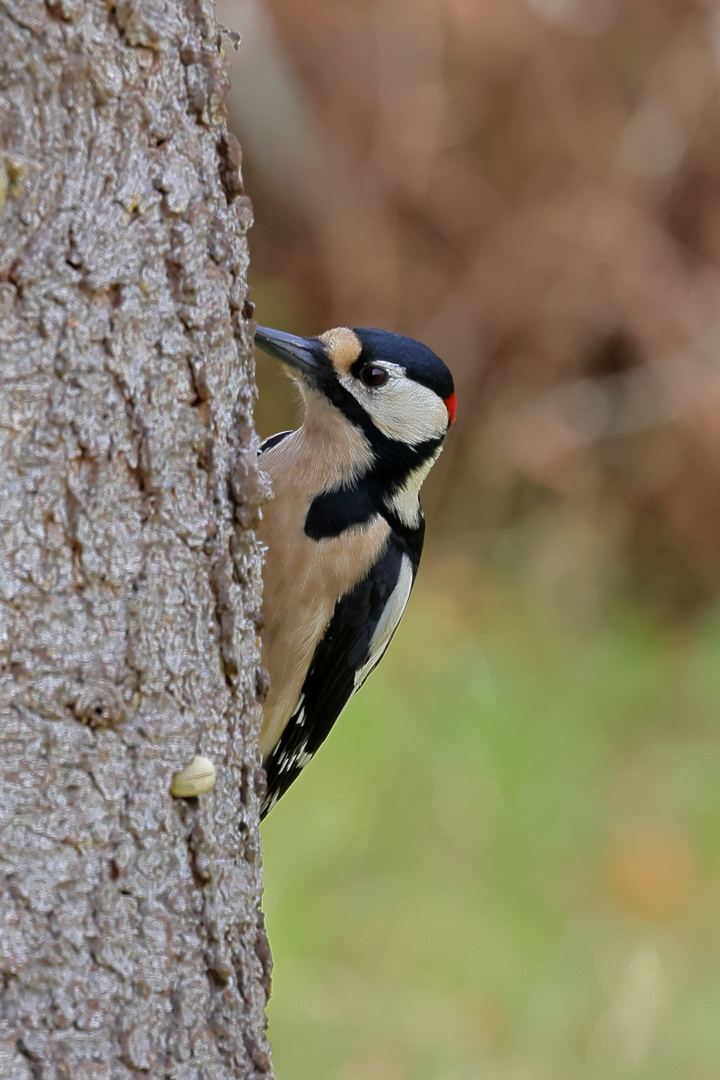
(131, 937)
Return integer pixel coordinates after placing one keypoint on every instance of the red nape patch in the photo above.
(450, 403)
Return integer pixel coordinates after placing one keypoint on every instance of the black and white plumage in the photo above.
(344, 533)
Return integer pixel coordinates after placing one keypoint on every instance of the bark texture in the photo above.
(131, 939)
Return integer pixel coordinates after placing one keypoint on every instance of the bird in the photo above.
(344, 532)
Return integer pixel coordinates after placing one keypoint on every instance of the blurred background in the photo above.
(505, 862)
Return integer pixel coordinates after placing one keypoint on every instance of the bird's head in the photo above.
(390, 386)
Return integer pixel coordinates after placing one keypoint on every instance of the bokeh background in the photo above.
(505, 862)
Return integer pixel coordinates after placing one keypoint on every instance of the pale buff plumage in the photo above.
(304, 577)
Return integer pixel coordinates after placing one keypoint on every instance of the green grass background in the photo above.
(504, 864)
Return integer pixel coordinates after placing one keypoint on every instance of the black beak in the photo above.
(305, 354)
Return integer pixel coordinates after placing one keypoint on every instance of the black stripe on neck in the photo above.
(371, 494)
(335, 511)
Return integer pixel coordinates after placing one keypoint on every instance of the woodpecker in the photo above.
(344, 532)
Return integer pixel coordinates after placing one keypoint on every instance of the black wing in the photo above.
(343, 659)
(273, 440)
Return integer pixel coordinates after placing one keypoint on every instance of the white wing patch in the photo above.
(388, 621)
(297, 757)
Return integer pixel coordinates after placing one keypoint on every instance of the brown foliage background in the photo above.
(532, 187)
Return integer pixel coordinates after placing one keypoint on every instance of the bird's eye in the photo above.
(373, 375)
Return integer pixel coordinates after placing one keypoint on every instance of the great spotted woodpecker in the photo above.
(344, 532)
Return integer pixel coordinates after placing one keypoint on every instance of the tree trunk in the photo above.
(131, 937)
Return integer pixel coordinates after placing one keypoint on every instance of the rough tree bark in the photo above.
(131, 938)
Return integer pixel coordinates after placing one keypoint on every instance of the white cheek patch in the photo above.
(402, 409)
(388, 621)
